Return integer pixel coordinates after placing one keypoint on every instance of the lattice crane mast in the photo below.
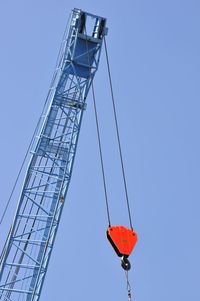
(26, 254)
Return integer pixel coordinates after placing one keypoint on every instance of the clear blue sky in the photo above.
(154, 52)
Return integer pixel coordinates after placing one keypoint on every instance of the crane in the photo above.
(27, 251)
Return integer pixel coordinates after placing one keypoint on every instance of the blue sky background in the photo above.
(154, 54)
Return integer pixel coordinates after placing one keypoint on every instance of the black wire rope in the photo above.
(101, 155)
(98, 136)
(118, 136)
(128, 286)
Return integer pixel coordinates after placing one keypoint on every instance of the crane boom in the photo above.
(30, 242)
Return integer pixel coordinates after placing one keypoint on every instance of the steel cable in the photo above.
(98, 137)
(118, 136)
(101, 155)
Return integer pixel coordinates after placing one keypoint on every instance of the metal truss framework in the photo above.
(27, 251)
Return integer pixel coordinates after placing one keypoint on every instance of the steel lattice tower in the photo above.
(27, 251)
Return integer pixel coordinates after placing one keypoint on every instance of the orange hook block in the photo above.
(123, 240)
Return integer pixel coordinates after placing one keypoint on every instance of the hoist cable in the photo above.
(118, 136)
(128, 286)
(98, 133)
(101, 155)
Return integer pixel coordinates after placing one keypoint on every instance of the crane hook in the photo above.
(125, 263)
